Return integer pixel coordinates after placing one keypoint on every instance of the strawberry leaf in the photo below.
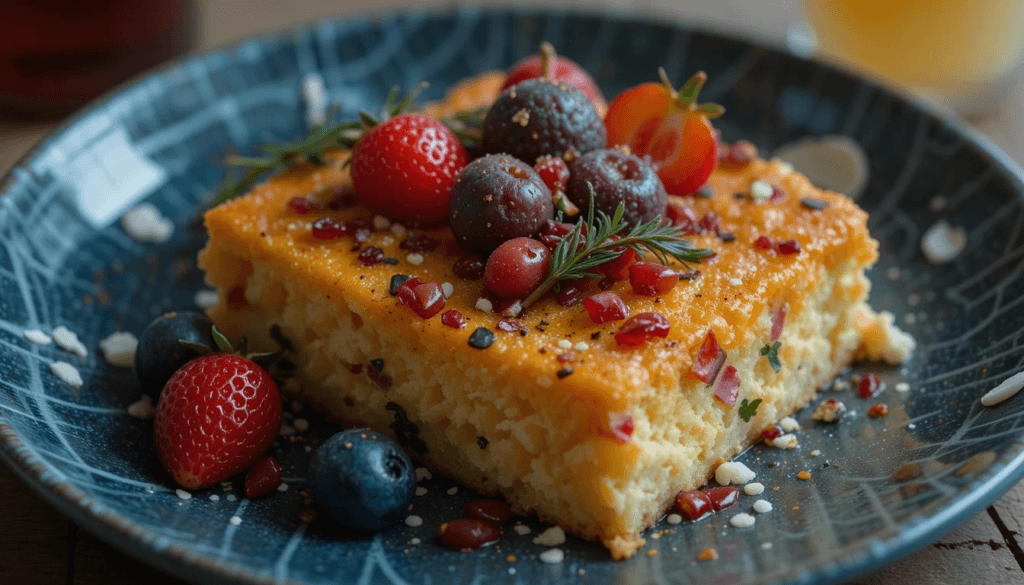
(223, 344)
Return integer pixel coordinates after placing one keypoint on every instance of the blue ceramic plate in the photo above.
(65, 260)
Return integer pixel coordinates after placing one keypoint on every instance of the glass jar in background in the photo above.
(960, 53)
(55, 55)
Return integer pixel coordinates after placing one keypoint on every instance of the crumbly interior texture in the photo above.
(500, 419)
(546, 461)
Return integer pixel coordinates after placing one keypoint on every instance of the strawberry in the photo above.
(405, 167)
(215, 417)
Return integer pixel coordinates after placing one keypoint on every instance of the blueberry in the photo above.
(497, 198)
(617, 178)
(363, 479)
(160, 353)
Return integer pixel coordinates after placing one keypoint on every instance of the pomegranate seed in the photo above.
(371, 255)
(777, 194)
(326, 228)
(878, 410)
(710, 359)
(263, 477)
(552, 233)
(727, 386)
(620, 427)
(723, 497)
(469, 267)
(788, 247)
(709, 223)
(652, 279)
(303, 205)
(871, 386)
(569, 296)
(494, 512)
(683, 218)
(605, 283)
(360, 229)
(605, 306)
(639, 328)
(419, 244)
(764, 243)
(516, 268)
(426, 299)
(510, 325)
(770, 433)
(553, 171)
(694, 505)
(618, 268)
(739, 154)
(466, 534)
(453, 318)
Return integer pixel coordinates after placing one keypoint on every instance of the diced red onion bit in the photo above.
(710, 359)
(639, 328)
(426, 299)
(870, 386)
(727, 386)
(778, 322)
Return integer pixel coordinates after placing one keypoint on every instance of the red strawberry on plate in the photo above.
(405, 167)
(215, 417)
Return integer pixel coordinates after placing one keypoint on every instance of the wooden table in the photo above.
(39, 546)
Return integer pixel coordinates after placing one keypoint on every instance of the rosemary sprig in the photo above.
(311, 148)
(578, 252)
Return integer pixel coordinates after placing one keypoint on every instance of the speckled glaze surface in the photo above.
(879, 489)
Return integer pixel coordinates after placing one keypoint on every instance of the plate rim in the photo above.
(178, 560)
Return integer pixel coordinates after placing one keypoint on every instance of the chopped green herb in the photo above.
(749, 409)
(772, 352)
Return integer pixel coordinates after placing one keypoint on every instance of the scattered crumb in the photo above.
(38, 337)
(183, 494)
(804, 475)
(283, 487)
(942, 242)
(830, 410)
(415, 259)
(742, 520)
(840, 386)
(708, 554)
(789, 424)
(815, 453)
(301, 425)
(235, 520)
(214, 498)
(414, 540)
(1005, 390)
(674, 519)
(232, 498)
(553, 536)
(484, 305)
(787, 441)
(733, 472)
(142, 408)
(766, 545)
(521, 529)
(413, 520)
(753, 489)
(552, 556)
(206, 299)
(453, 490)
(422, 473)
(68, 341)
(893, 273)
(146, 224)
(421, 491)
(902, 387)
(119, 349)
(653, 552)
(762, 506)
(67, 373)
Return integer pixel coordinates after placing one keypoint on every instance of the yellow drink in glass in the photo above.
(957, 51)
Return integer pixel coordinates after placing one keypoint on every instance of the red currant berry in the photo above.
(640, 328)
(605, 306)
(788, 247)
(652, 279)
(516, 268)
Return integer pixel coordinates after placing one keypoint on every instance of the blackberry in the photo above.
(617, 177)
(540, 117)
(497, 198)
